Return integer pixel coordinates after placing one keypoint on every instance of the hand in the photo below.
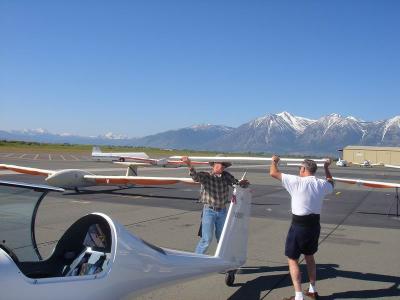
(327, 162)
(186, 160)
(244, 183)
(275, 159)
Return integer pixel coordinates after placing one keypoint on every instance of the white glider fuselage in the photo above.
(134, 266)
(70, 179)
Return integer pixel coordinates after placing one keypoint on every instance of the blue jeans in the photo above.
(210, 219)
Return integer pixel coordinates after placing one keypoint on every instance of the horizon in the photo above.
(137, 69)
(116, 135)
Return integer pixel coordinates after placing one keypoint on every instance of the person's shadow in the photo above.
(252, 289)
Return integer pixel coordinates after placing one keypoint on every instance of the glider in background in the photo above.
(97, 154)
(138, 159)
(75, 178)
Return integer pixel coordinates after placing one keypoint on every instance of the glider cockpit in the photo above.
(84, 249)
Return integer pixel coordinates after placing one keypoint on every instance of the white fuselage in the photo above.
(134, 266)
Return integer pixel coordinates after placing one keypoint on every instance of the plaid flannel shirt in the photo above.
(214, 189)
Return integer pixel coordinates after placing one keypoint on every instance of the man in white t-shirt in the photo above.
(307, 193)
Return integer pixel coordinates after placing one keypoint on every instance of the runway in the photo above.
(359, 254)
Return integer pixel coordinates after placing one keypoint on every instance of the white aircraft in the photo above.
(97, 154)
(97, 258)
(149, 162)
(342, 163)
(75, 178)
(137, 159)
(366, 164)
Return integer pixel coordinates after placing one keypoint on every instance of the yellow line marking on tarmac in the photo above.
(62, 157)
(22, 155)
(49, 156)
(36, 156)
(74, 157)
(8, 155)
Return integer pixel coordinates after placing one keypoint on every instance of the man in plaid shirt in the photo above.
(214, 193)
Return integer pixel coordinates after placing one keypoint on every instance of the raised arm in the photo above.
(192, 172)
(273, 170)
(328, 175)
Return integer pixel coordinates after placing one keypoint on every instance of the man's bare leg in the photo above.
(311, 268)
(295, 273)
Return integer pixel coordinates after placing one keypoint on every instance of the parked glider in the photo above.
(97, 154)
(75, 178)
(138, 159)
(149, 162)
(98, 258)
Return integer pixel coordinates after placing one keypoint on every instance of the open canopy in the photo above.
(19, 203)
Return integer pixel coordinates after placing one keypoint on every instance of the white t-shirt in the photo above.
(307, 193)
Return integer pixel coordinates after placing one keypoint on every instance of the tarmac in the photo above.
(359, 251)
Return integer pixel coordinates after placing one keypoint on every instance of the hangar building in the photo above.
(376, 155)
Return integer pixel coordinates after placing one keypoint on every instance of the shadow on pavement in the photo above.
(253, 289)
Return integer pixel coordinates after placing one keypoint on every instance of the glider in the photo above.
(75, 178)
(97, 154)
(98, 258)
(138, 159)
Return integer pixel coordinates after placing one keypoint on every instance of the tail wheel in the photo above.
(230, 278)
(121, 159)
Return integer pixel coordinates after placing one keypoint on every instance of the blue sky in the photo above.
(141, 67)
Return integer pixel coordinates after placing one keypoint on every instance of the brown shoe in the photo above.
(311, 295)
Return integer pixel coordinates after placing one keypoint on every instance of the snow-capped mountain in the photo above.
(281, 133)
(383, 133)
(299, 124)
(329, 131)
(272, 132)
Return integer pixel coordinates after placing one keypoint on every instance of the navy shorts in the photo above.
(302, 240)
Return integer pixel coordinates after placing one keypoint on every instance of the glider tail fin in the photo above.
(232, 245)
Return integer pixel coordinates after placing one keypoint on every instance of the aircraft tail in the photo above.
(96, 150)
(232, 245)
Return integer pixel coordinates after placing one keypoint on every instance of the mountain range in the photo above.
(280, 133)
